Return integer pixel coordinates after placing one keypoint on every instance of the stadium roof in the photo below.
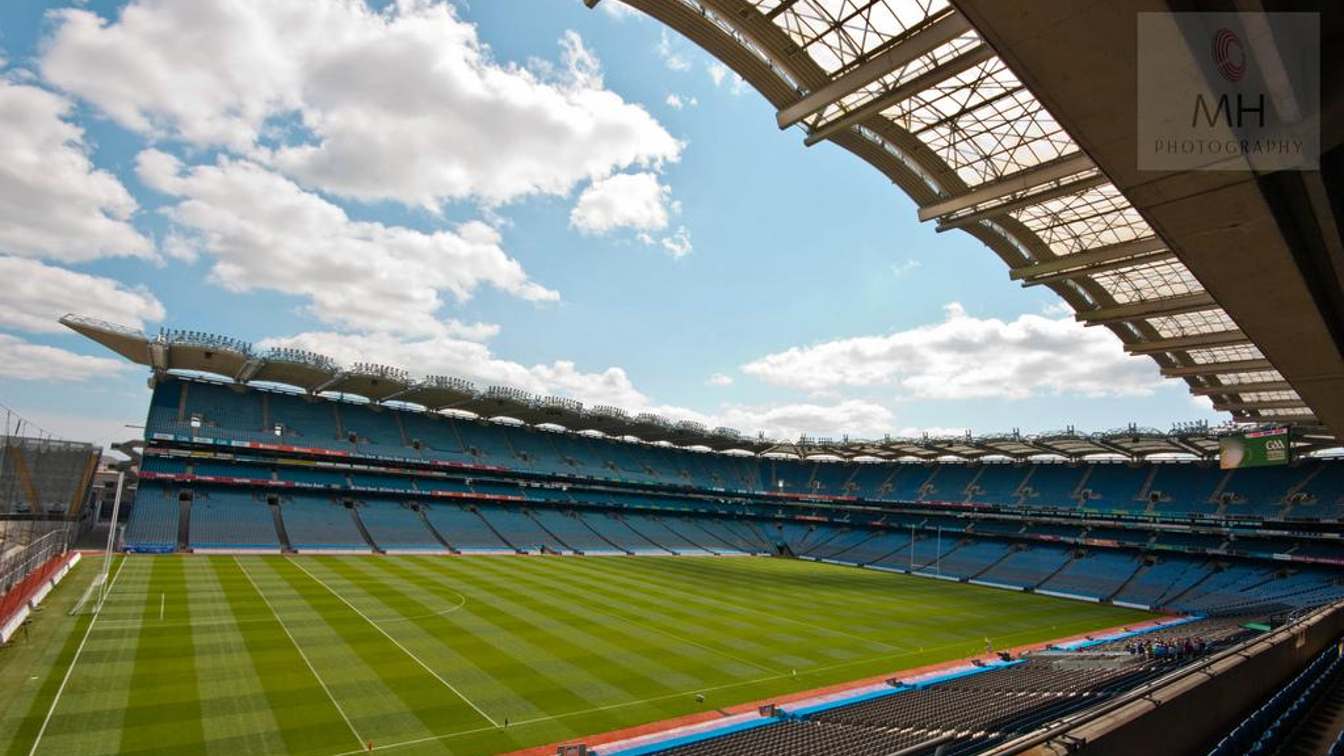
(200, 352)
(917, 90)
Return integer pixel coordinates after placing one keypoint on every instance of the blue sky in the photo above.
(521, 191)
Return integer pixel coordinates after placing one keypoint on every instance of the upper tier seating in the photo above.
(1308, 489)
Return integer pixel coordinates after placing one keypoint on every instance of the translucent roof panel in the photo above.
(1225, 354)
(915, 68)
(1258, 376)
(1097, 217)
(1270, 396)
(1192, 323)
(838, 33)
(1001, 133)
(1167, 278)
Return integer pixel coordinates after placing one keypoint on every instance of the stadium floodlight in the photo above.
(606, 410)
(204, 340)
(562, 403)
(648, 418)
(301, 357)
(380, 371)
(509, 394)
(451, 383)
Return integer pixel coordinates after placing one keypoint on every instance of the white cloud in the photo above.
(900, 269)
(671, 53)
(47, 292)
(719, 379)
(26, 361)
(445, 355)
(677, 102)
(625, 200)
(966, 357)
(405, 103)
(677, 244)
(264, 232)
(857, 418)
(617, 9)
(53, 202)
(721, 74)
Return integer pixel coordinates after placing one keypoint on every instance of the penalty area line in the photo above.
(395, 642)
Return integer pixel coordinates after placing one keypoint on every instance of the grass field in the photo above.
(270, 654)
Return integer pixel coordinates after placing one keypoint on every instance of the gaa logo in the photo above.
(1229, 57)
(1275, 444)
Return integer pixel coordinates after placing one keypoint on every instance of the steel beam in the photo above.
(1286, 419)
(1149, 308)
(1241, 388)
(1089, 257)
(1216, 368)
(1182, 343)
(924, 81)
(1102, 268)
(1265, 405)
(1063, 190)
(921, 42)
(1013, 183)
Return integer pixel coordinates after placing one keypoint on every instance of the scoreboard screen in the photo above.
(1263, 448)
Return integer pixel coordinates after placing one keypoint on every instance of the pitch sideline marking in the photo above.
(358, 738)
(623, 704)
(396, 642)
(97, 612)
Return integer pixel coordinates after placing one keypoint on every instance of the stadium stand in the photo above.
(153, 523)
(317, 523)
(230, 519)
(395, 526)
(1180, 536)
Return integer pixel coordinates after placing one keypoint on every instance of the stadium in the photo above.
(298, 554)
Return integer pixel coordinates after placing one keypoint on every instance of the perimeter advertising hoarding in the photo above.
(1254, 449)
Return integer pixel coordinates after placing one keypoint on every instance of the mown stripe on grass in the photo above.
(631, 601)
(674, 628)
(302, 718)
(576, 658)
(751, 606)
(86, 715)
(490, 671)
(387, 693)
(21, 732)
(163, 714)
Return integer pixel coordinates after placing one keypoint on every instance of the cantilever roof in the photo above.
(235, 360)
(912, 88)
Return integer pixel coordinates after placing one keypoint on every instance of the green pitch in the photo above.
(322, 655)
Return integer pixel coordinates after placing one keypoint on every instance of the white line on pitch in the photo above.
(358, 738)
(97, 612)
(398, 644)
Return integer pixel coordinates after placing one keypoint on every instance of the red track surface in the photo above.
(705, 716)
